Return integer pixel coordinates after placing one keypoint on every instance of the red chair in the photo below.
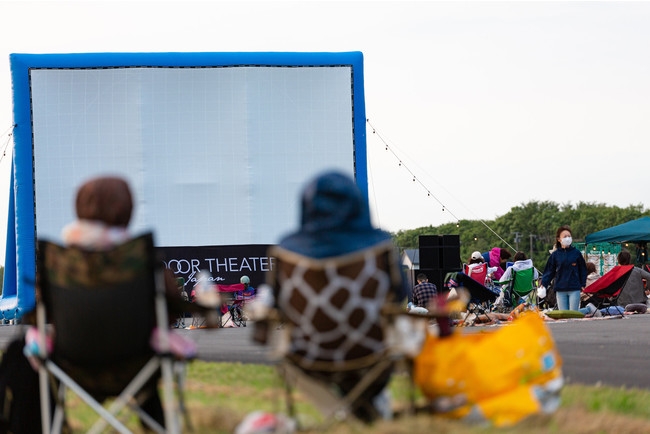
(477, 272)
(605, 291)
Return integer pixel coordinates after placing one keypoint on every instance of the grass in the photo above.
(220, 395)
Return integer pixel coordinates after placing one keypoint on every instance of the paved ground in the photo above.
(609, 351)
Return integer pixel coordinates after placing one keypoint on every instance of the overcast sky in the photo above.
(476, 106)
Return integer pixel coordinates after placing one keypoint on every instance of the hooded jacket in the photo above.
(495, 261)
(335, 220)
(569, 269)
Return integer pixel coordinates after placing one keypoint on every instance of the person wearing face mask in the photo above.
(569, 269)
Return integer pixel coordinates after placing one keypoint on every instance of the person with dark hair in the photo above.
(592, 273)
(424, 291)
(476, 258)
(569, 269)
(103, 206)
(497, 258)
(633, 291)
(521, 263)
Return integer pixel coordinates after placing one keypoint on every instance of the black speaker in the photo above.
(451, 257)
(429, 257)
(451, 241)
(429, 240)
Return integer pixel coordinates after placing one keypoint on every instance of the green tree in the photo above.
(529, 227)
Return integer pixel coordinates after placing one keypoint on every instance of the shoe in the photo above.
(592, 310)
(597, 314)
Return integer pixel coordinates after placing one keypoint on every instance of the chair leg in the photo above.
(180, 371)
(85, 396)
(45, 396)
(291, 409)
(123, 399)
(170, 404)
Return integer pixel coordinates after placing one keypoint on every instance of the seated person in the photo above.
(497, 257)
(104, 206)
(477, 265)
(424, 292)
(476, 258)
(633, 291)
(521, 263)
(248, 291)
(592, 273)
(336, 231)
(592, 276)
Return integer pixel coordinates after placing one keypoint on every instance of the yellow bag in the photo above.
(499, 376)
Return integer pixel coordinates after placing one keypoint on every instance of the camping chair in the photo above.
(232, 309)
(480, 297)
(478, 272)
(523, 285)
(85, 296)
(334, 339)
(605, 291)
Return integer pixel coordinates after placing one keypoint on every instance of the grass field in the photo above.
(220, 395)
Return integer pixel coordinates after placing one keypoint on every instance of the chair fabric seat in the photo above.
(85, 296)
(334, 306)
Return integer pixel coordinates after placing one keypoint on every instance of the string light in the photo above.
(429, 194)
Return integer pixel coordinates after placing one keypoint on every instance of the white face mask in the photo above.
(566, 241)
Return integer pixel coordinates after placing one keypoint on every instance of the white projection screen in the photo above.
(216, 146)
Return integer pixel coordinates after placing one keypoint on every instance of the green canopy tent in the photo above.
(634, 231)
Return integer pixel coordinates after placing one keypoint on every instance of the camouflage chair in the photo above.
(103, 307)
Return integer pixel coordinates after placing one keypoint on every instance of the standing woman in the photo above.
(569, 269)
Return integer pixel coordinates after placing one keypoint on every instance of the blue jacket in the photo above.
(568, 268)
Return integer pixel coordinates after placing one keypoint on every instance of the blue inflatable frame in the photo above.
(18, 295)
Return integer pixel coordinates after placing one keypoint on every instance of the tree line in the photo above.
(529, 227)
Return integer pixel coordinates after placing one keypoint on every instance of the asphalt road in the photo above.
(612, 351)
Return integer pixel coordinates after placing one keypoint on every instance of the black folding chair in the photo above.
(103, 307)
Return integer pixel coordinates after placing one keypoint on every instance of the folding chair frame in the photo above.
(333, 406)
(608, 295)
(353, 347)
(50, 372)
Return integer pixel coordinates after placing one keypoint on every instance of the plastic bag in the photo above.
(498, 376)
(541, 291)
